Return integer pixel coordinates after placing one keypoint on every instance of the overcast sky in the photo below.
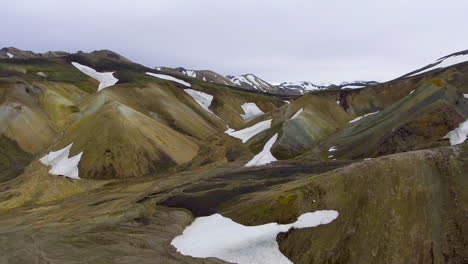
(283, 40)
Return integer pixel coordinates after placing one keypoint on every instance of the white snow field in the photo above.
(169, 78)
(332, 149)
(465, 95)
(203, 99)
(105, 79)
(265, 156)
(220, 237)
(10, 55)
(459, 134)
(61, 164)
(251, 111)
(361, 117)
(248, 132)
(297, 113)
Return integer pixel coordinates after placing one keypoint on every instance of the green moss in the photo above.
(439, 82)
(286, 200)
(12, 159)
(74, 109)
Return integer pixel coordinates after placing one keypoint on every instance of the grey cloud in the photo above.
(319, 41)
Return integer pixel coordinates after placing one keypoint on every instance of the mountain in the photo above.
(303, 86)
(254, 83)
(446, 61)
(251, 81)
(12, 52)
(205, 75)
(104, 160)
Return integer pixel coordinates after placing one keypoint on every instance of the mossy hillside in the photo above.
(13, 160)
(23, 120)
(119, 142)
(36, 186)
(10, 71)
(165, 103)
(389, 207)
(370, 99)
(425, 131)
(320, 118)
(366, 138)
(99, 224)
(59, 101)
(227, 101)
(56, 70)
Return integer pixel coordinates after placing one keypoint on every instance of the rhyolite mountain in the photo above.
(255, 83)
(153, 149)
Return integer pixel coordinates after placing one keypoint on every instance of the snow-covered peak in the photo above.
(190, 73)
(303, 86)
(105, 79)
(252, 82)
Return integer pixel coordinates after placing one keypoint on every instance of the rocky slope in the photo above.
(153, 149)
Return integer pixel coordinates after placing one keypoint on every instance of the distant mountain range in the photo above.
(249, 81)
(252, 82)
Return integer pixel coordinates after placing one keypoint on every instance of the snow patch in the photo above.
(412, 92)
(251, 111)
(465, 95)
(191, 73)
(169, 78)
(297, 113)
(459, 134)
(105, 79)
(203, 99)
(286, 101)
(265, 156)
(43, 75)
(61, 164)
(332, 149)
(220, 237)
(10, 55)
(248, 132)
(361, 117)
